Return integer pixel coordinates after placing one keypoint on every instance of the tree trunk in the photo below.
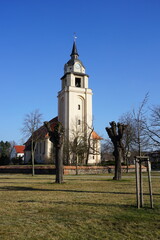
(59, 165)
(87, 157)
(118, 159)
(127, 165)
(56, 137)
(89, 146)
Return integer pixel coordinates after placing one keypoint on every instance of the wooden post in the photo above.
(137, 182)
(141, 183)
(149, 182)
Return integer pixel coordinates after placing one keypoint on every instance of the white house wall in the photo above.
(14, 154)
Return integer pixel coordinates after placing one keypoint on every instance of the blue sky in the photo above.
(118, 42)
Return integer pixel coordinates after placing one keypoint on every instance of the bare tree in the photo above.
(128, 136)
(91, 143)
(106, 151)
(12, 144)
(153, 129)
(78, 149)
(31, 124)
(140, 138)
(115, 133)
(75, 147)
(80, 145)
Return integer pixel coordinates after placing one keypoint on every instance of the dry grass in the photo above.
(84, 207)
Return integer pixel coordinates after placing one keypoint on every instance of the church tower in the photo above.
(75, 107)
(75, 98)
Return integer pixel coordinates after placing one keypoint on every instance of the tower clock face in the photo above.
(78, 66)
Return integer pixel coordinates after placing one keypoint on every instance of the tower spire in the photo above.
(74, 53)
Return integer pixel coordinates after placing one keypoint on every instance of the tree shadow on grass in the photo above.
(25, 178)
(108, 178)
(67, 203)
(105, 179)
(17, 188)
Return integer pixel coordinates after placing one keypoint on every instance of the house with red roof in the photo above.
(18, 152)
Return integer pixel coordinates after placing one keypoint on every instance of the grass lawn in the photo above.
(84, 207)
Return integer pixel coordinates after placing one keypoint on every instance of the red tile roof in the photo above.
(42, 131)
(19, 149)
(96, 136)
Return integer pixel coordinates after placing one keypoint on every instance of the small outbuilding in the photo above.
(18, 152)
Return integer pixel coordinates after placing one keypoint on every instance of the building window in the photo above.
(78, 82)
(79, 107)
(79, 122)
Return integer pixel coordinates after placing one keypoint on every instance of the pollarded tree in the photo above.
(31, 124)
(56, 136)
(115, 133)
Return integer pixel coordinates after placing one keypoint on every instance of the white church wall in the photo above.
(95, 156)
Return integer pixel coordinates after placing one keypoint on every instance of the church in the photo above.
(75, 114)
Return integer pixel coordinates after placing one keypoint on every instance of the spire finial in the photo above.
(75, 37)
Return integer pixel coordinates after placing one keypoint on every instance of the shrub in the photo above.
(4, 160)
